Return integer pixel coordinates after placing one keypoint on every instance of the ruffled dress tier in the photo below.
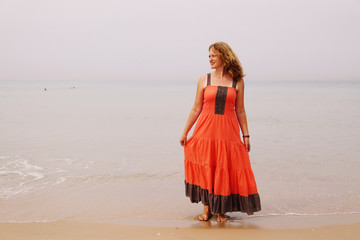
(217, 166)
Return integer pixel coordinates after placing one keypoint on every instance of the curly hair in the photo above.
(231, 62)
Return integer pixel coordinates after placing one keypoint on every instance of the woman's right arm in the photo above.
(196, 109)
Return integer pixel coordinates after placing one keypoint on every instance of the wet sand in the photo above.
(89, 231)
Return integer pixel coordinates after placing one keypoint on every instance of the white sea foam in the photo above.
(60, 180)
(17, 175)
(7, 193)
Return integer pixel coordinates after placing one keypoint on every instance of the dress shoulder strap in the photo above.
(234, 83)
(208, 79)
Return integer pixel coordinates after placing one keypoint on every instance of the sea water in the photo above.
(107, 150)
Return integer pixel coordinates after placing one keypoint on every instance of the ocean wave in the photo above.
(21, 175)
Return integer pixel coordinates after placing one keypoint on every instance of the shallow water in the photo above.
(109, 150)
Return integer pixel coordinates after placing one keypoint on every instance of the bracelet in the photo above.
(246, 136)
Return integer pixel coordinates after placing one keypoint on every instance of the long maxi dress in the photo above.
(217, 166)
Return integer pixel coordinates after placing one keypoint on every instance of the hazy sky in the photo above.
(168, 40)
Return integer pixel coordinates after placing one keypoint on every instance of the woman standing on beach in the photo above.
(217, 165)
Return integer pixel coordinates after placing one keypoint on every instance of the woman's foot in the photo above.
(206, 214)
(204, 217)
(221, 218)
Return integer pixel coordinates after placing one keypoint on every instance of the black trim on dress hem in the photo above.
(223, 204)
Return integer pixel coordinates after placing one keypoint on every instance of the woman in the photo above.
(217, 165)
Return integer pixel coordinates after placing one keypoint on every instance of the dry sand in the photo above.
(108, 231)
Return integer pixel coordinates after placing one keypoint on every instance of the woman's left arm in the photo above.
(241, 114)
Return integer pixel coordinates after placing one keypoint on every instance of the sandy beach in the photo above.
(345, 227)
(89, 231)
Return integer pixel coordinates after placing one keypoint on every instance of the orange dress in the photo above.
(217, 166)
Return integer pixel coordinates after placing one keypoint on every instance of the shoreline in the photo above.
(205, 230)
(276, 222)
(270, 222)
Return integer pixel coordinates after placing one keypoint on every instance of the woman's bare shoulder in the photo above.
(202, 81)
(240, 84)
(203, 77)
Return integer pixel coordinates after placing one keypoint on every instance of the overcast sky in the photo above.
(168, 40)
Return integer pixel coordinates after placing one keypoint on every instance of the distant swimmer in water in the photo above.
(45, 89)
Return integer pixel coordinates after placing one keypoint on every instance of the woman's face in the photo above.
(215, 59)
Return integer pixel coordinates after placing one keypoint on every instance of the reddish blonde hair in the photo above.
(231, 62)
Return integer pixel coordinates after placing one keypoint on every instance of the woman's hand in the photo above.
(247, 144)
(183, 139)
